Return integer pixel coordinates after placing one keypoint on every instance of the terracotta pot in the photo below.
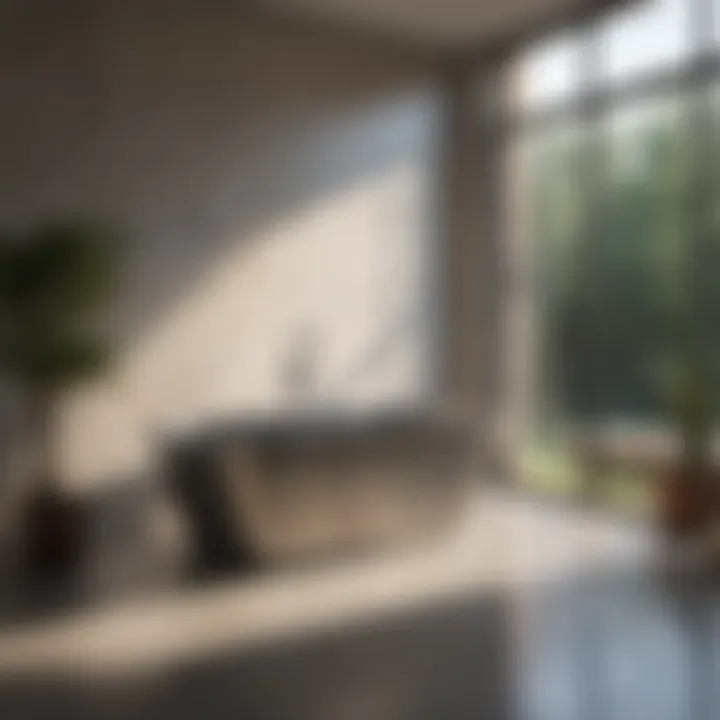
(686, 501)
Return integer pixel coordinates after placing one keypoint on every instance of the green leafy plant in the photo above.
(691, 402)
(56, 281)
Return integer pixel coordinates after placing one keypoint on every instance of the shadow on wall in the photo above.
(268, 179)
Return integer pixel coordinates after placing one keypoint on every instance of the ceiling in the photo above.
(443, 23)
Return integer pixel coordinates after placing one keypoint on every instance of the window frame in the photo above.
(694, 81)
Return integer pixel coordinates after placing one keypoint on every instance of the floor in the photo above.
(523, 612)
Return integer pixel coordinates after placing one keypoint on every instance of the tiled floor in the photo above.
(621, 643)
(523, 612)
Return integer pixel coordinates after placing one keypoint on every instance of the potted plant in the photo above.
(55, 280)
(688, 494)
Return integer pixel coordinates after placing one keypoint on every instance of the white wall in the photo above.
(277, 188)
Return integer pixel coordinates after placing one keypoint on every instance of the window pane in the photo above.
(706, 137)
(547, 73)
(634, 276)
(548, 209)
(652, 35)
(608, 222)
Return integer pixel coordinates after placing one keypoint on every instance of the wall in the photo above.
(479, 272)
(278, 191)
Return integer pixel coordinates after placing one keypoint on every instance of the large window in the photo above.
(614, 181)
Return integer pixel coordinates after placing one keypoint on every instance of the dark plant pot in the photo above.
(686, 502)
(54, 534)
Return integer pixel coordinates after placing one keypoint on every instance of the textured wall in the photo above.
(278, 190)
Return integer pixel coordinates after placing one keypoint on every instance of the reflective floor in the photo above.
(527, 612)
(622, 643)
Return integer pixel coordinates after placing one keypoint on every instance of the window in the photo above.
(614, 129)
(548, 72)
(652, 36)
